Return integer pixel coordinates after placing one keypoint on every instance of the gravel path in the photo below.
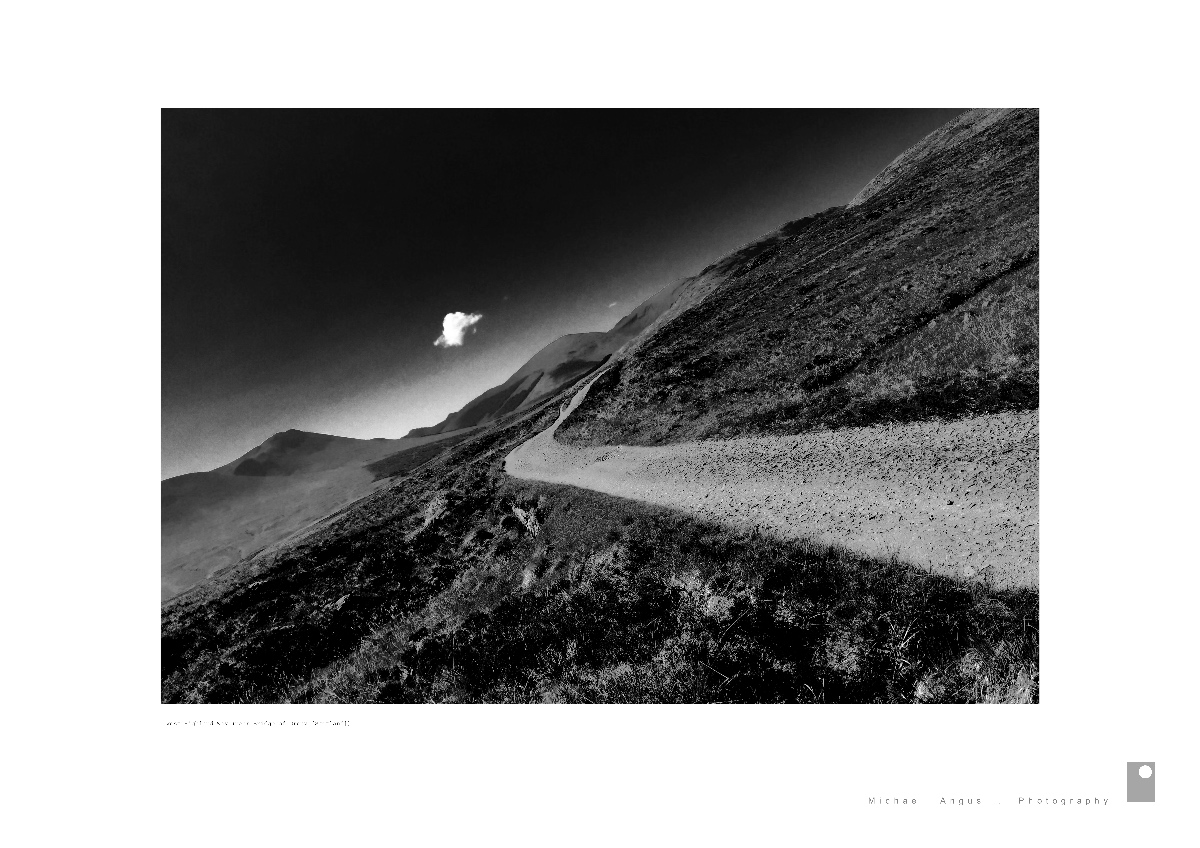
(958, 497)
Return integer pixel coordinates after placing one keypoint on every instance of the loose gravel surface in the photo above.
(957, 497)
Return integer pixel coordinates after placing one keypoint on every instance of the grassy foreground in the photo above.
(463, 585)
(615, 602)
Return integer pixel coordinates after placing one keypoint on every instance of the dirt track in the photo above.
(959, 498)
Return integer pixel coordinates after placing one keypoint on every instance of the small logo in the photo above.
(1139, 781)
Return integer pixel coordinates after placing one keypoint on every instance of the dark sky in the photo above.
(308, 257)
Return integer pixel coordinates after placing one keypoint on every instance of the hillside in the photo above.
(460, 584)
(212, 519)
(566, 360)
(918, 299)
(887, 345)
(561, 362)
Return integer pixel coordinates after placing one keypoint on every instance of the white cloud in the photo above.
(611, 305)
(454, 326)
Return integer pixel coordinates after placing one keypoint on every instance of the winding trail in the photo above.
(956, 497)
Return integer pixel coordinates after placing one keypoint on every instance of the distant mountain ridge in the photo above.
(559, 363)
(294, 451)
(555, 365)
(211, 519)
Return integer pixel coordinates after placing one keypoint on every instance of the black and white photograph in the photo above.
(600, 406)
(644, 423)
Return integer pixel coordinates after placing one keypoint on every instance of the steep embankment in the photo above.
(917, 300)
(958, 498)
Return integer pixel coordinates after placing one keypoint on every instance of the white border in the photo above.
(92, 751)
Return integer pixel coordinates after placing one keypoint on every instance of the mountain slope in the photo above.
(212, 519)
(562, 361)
(569, 358)
(460, 582)
(917, 300)
(957, 498)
